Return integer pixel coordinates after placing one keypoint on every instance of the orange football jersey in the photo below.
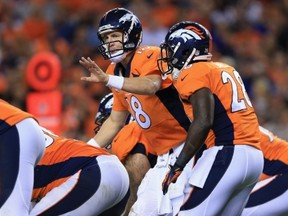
(235, 121)
(161, 116)
(62, 158)
(127, 138)
(11, 114)
(275, 151)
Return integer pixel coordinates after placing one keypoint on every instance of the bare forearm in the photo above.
(141, 85)
(195, 139)
(107, 132)
(203, 105)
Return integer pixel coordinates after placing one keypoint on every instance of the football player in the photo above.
(130, 146)
(269, 196)
(74, 178)
(138, 89)
(22, 145)
(224, 123)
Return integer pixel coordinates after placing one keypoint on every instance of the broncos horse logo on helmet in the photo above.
(104, 111)
(185, 43)
(120, 19)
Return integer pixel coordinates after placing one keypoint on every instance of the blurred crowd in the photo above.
(248, 34)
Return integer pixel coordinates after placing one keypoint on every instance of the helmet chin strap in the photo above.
(118, 58)
(207, 57)
(176, 72)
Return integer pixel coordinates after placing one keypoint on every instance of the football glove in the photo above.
(171, 177)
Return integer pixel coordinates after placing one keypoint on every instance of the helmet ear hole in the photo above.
(125, 37)
(186, 54)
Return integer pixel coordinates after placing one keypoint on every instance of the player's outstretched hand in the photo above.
(96, 73)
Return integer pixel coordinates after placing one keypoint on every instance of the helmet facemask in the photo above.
(164, 62)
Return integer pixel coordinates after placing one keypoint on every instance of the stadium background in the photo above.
(251, 35)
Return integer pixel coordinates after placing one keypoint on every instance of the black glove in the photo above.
(171, 176)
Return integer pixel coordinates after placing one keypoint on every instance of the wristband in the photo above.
(93, 142)
(116, 82)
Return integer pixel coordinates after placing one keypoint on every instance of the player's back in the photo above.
(11, 114)
(275, 151)
(161, 116)
(59, 149)
(63, 157)
(235, 121)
